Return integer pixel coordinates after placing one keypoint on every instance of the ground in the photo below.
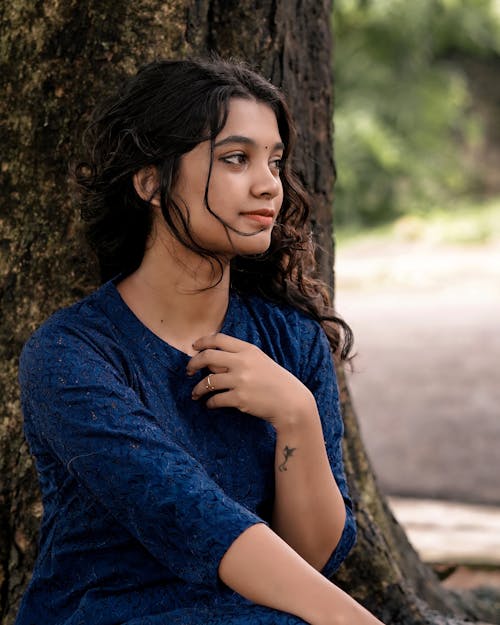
(426, 380)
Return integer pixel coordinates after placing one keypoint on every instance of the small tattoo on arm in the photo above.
(287, 452)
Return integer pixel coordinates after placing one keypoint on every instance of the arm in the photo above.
(263, 568)
(259, 564)
(312, 510)
(309, 511)
(81, 409)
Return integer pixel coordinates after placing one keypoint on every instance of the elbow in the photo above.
(322, 546)
(329, 545)
(343, 546)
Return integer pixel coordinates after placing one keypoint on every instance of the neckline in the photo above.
(115, 306)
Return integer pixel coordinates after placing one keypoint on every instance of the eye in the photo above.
(235, 159)
(277, 164)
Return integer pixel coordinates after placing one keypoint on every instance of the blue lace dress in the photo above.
(143, 488)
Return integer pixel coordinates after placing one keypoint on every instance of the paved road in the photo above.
(427, 379)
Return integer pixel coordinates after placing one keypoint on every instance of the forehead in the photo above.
(252, 119)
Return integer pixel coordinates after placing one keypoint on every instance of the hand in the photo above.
(250, 380)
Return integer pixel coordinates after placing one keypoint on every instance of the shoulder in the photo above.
(286, 317)
(82, 328)
(288, 334)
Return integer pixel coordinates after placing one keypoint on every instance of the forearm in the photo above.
(309, 511)
(260, 566)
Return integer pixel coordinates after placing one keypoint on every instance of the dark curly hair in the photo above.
(160, 114)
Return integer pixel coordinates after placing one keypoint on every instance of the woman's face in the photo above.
(245, 188)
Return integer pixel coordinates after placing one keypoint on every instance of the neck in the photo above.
(166, 294)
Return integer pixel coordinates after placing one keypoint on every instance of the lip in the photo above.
(261, 219)
(264, 216)
(265, 212)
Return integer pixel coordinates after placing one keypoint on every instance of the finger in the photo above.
(227, 399)
(218, 382)
(211, 358)
(220, 341)
(218, 369)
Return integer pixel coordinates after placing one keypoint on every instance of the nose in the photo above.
(266, 182)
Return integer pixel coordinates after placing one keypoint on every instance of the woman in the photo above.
(184, 417)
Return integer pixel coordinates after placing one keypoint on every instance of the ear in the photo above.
(146, 185)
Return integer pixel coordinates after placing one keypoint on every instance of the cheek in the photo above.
(191, 180)
(226, 191)
(280, 197)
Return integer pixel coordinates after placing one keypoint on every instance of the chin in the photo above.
(253, 247)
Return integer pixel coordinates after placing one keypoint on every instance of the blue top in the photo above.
(143, 488)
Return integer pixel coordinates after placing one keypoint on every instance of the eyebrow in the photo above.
(246, 140)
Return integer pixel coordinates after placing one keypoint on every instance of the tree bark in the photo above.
(57, 59)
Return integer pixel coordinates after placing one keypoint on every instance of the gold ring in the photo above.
(209, 385)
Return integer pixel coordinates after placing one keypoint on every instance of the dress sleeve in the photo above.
(319, 376)
(79, 405)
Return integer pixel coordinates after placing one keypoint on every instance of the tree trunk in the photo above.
(57, 59)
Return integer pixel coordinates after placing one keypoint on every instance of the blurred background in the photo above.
(417, 213)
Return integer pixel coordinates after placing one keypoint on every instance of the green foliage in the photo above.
(404, 124)
(470, 223)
